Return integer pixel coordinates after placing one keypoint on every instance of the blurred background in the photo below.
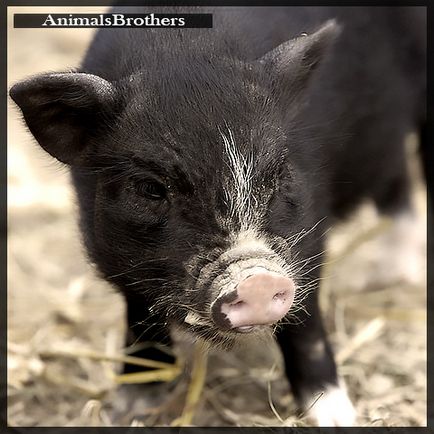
(62, 319)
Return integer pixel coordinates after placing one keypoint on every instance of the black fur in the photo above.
(325, 119)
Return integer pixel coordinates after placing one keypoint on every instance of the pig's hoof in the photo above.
(331, 407)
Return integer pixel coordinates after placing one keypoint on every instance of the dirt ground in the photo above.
(62, 319)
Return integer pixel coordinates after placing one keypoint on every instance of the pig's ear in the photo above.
(63, 110)
(293, 62)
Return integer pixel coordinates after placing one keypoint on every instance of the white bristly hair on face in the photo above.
(238, 190)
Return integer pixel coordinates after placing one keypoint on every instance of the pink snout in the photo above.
(263, 298)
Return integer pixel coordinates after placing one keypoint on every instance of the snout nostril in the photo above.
(280, 295)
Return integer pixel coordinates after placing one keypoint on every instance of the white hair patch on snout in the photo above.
(193, 318)
(247, 244)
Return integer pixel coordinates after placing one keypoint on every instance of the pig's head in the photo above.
(193, 194)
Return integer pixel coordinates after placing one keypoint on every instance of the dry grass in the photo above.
(66, 327)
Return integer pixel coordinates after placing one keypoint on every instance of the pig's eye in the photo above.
(151, 190)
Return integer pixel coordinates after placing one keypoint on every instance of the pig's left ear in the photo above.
(292, 63)
(64, 110)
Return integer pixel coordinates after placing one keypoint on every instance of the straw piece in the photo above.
(368, 333)
(196, 386)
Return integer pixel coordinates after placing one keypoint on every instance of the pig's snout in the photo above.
(262, 298)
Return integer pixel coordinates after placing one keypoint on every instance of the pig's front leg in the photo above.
(311, 369)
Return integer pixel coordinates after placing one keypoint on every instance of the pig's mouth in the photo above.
(194, 320)
(224, 339)
(246, 328)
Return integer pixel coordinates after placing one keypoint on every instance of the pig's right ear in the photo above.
(63, 110)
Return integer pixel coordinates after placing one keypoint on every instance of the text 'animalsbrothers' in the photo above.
(113, 20)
